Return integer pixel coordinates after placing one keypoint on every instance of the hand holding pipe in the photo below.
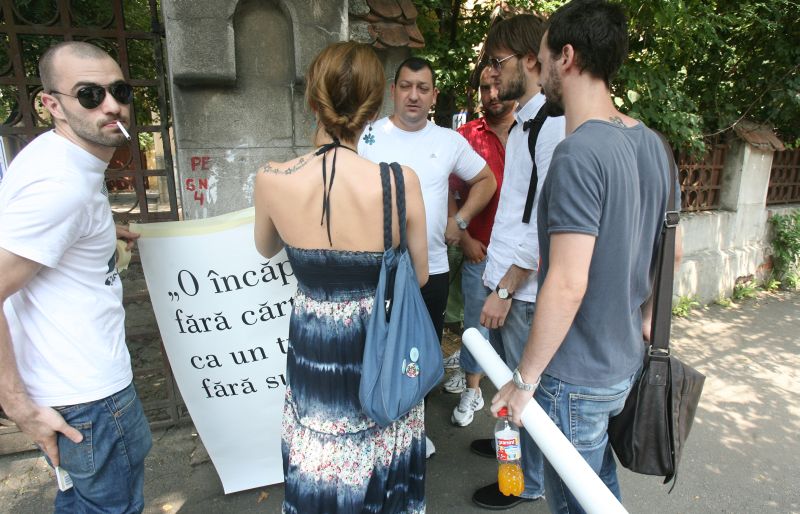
(583, 482)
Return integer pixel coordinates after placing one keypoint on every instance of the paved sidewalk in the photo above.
(741, 457)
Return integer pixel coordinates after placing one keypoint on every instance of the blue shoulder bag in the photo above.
(402, 357)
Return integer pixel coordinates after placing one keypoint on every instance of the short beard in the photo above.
(496, 116)
(94, 134)
(515, 88)
(553, 94)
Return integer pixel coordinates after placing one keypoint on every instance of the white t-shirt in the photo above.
(67, 324)
(512, 241)
(433, 153)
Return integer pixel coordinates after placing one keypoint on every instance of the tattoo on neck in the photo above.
(616, 120)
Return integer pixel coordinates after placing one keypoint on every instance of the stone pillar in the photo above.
(733, 242)
(236, 73)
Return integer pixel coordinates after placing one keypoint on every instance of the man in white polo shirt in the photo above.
(433, 152)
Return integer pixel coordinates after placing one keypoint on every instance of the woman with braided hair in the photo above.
(326, 208)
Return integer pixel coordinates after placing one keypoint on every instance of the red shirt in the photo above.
(487, 145)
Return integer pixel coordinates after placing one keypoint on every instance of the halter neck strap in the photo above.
(326, 185)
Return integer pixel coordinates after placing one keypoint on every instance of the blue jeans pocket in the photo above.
(77, 458)
(588, 417)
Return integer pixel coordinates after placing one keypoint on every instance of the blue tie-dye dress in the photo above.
(335, 459)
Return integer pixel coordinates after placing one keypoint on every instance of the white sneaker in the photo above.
(456, 383)
(430, 449)
(453, 361)
(471, 400)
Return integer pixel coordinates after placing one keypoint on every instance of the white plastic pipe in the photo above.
(583, 482)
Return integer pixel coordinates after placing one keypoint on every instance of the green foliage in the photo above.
(701, 65)
(684, 306)
(772, 284)
(452, 33)
(695, 66)
(745, 290)
(146, 140)
(786, 248)
(724, 302)
(791, 281)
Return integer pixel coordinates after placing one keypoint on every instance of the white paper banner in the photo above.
(223, 312)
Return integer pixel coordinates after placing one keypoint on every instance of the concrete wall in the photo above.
(236, 75)
(721, 246)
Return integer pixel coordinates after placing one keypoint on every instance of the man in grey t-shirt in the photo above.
(600, 215)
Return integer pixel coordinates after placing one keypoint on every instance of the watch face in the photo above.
(517, 376)
(502, 293)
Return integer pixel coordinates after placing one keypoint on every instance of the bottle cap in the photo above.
(503, 412)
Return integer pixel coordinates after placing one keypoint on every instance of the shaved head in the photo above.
(47, 67)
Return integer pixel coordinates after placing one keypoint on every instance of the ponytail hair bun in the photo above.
(344, 86)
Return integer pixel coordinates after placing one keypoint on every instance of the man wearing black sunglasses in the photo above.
(65, 372)
(81, 109)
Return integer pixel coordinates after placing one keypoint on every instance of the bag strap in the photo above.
(400, 198)
(533, 126)
(387, 206)
(662, 289)
(400, 187)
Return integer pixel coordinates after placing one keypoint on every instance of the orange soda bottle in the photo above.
(509, 453)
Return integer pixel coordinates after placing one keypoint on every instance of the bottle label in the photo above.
(508, 448)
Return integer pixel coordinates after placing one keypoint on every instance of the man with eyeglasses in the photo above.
(65, 371)
(512, 47)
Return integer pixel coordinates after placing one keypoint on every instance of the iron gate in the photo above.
(140, 177)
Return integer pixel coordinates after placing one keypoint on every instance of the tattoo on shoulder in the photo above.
(616, 120)
(269, 168)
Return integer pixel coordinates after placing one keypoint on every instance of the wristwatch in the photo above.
(462, 224)
(502, 293)
(517, 376)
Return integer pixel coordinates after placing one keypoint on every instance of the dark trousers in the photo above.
(434, 293)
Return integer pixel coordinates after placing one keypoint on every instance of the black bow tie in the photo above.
(526, 125)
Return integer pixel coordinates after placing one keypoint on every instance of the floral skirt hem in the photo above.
(328, 469)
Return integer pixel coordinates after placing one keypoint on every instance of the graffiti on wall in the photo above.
(197, 185)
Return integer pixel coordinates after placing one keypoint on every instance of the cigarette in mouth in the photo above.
(124, 132)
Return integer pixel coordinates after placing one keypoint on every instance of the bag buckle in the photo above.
(658, 352)
(671, 219)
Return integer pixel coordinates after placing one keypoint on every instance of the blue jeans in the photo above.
(475, 294)
(107, 467)
(582, 414)
(512, 337)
